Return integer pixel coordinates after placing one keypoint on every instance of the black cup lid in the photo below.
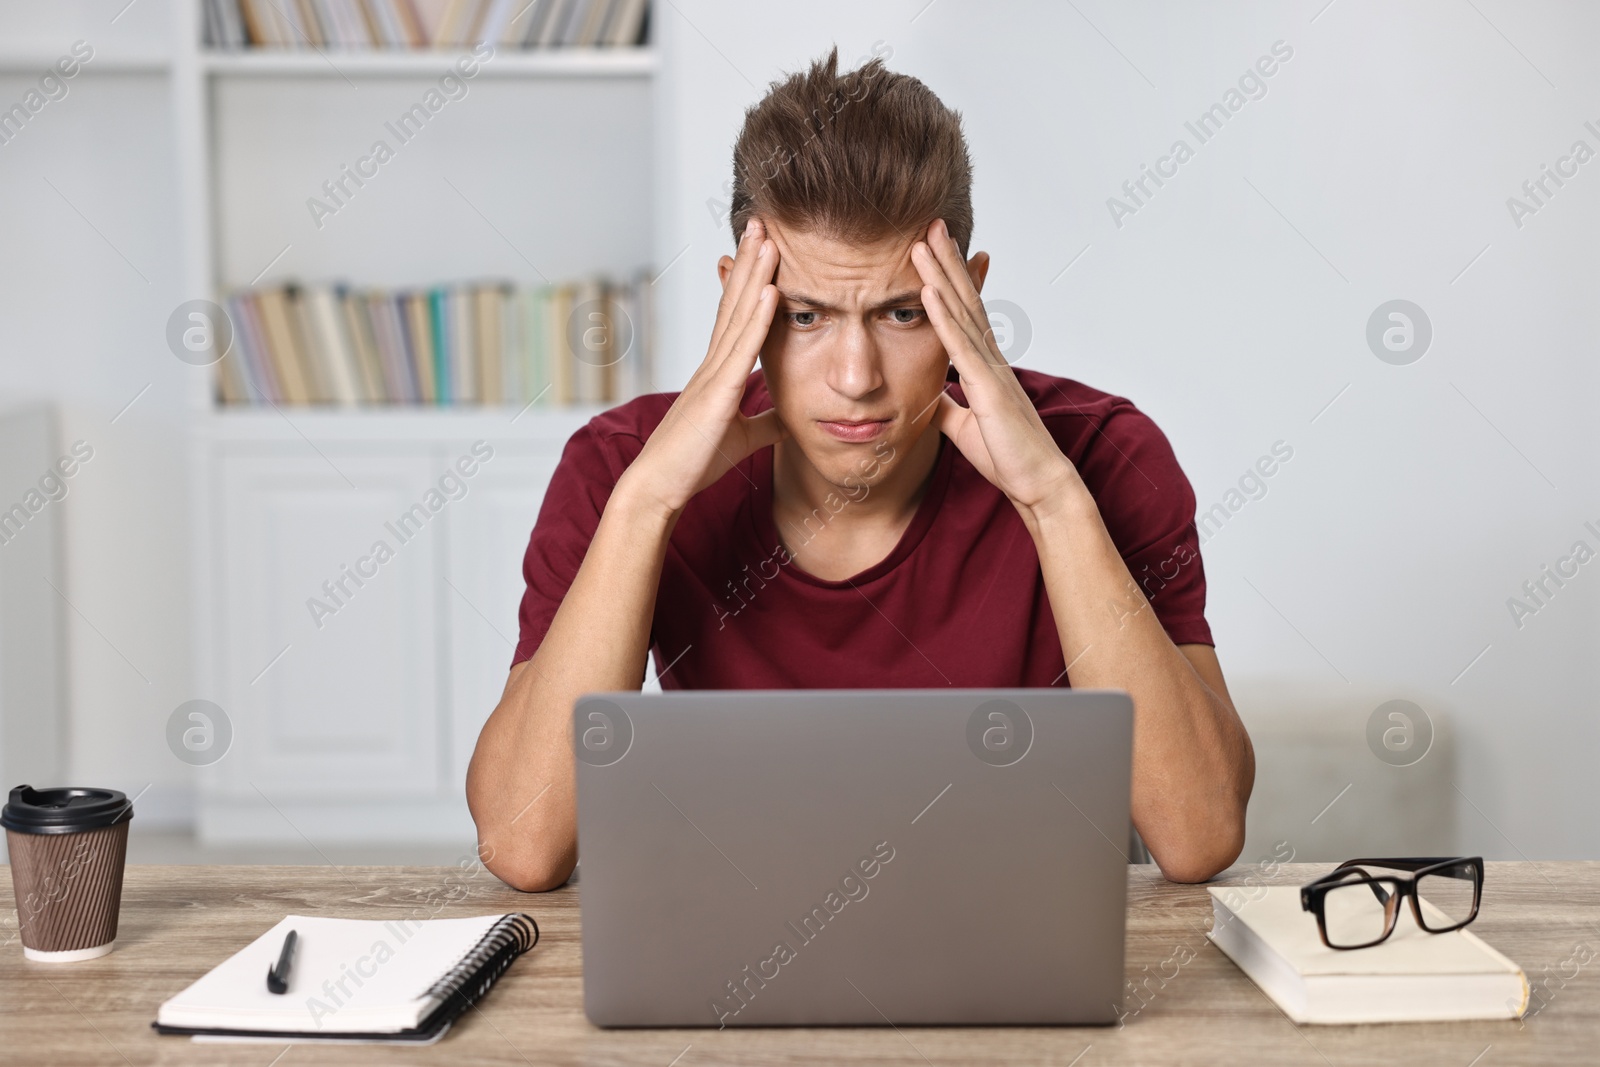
(64, 810)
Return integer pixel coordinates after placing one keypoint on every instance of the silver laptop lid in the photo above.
(858, 857)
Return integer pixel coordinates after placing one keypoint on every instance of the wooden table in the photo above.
(179, 921)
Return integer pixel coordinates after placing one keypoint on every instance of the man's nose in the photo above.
(856, 370)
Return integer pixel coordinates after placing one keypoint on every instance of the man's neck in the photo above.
(835, 531)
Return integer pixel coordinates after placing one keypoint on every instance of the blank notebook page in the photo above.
(348, 976)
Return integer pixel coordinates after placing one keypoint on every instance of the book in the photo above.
(1412, 976)
(488, 336)
(535, 346)
(593, 23)
(524, 17)
(555, 23)
(461, 341)
(454, 23)
(389, 335)
(542, 26)
(329, 345)
(627, 23)
(288, 369)
(485, 342)
(352, 980)
(232, 385)
(510, 355)
(303, 342)
(419, 341)
(444, 389)
(358, 326)
(414, 33)
(628, 368)
(309, 31)
(260, 22)
(248, 338)
(414, 24)
(493, 17)
(383, 24)
(560, 360)
(430, 19)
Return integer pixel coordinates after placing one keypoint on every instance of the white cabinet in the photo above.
(336, 680)
(359, 581)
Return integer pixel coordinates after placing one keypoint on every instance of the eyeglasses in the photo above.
(1355, 908)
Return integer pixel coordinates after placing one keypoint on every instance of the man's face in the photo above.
(852, 362)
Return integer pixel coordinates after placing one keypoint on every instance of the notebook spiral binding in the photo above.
(463, 984)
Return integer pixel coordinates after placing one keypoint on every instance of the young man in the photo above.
(884, 503)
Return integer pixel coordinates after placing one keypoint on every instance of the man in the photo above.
(884, 503)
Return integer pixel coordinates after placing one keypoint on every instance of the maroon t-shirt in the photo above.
(960, 601)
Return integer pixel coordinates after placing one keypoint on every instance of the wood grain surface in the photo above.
(1193, 1006)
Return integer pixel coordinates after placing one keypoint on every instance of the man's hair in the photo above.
(854, 157)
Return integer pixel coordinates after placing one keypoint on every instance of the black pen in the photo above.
(278, 977)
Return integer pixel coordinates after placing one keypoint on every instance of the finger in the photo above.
(968, 353)
(962, 297)
(959, 424)
(744, 258)
(950, 416)
(763, 431)
(743, 262)
(948, 254)
(741, 357)
(934, 274)
(762, 270)
(957, 343)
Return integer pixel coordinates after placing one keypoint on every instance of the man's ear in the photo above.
(978, 269)
(724, 268)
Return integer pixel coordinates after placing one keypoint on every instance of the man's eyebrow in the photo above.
(910, 296)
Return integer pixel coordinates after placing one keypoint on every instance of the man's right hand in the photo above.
(704, 434)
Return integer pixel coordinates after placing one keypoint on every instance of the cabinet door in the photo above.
(488, 535)
(330, 639)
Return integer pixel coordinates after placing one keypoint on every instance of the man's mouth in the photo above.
(855, 429)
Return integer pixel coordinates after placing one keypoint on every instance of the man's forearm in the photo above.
(520, 785)
(1192, 764)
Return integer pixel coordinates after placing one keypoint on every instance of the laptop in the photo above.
(860, 857)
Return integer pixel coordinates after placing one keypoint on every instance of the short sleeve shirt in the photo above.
(959, 601)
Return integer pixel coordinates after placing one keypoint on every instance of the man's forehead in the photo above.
(836, 270)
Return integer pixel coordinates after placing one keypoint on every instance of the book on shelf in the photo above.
(411, 24)
(587, 342)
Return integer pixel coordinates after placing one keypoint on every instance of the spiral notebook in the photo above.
(352, 980)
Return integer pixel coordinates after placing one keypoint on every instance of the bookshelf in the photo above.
(31, 62)
(533, 63)
(355, 720)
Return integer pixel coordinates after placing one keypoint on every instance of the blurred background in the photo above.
(1359, 299)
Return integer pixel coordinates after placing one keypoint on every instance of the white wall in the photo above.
(88, 275)
(1379, 563)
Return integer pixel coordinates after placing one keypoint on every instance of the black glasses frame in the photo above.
(1390, 891)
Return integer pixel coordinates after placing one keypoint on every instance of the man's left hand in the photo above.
(1000, 431)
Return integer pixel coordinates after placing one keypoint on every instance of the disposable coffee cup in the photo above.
(68, 848)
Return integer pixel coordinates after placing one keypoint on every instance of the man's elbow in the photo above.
(1210, 853)
(531, 869)
(1212, 846)
(1199, 865)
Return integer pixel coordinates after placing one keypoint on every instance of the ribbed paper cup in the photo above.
(67, 881)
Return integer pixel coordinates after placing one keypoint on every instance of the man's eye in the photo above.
(803, 318)
(906, 316)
